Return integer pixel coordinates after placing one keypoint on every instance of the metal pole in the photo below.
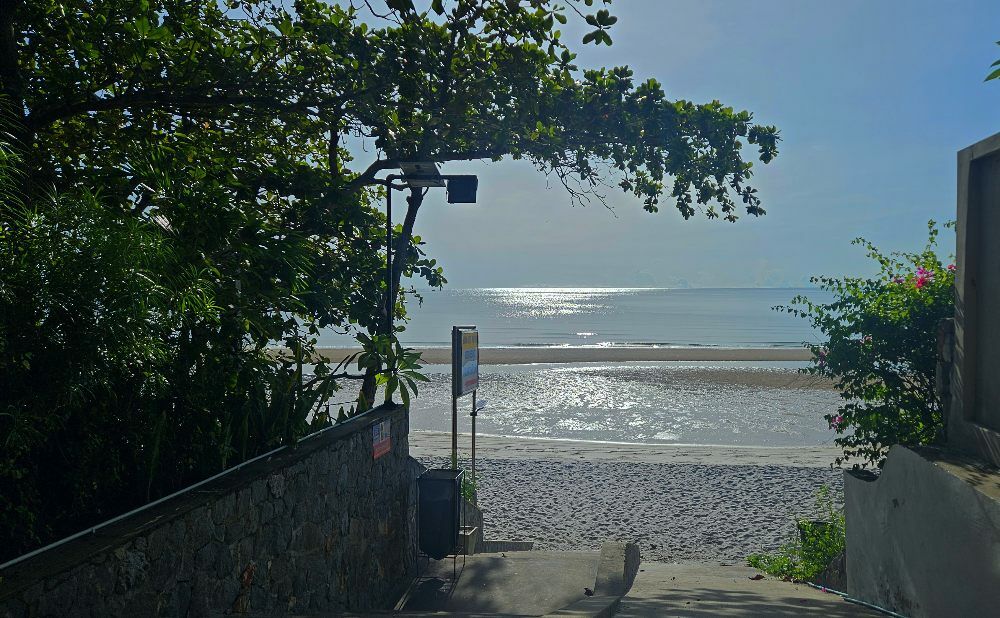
(388, 258)
(389, 296)
(456, 369)
(454, 432)
(474, 413)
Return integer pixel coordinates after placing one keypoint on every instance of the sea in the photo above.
(671, 402)
(513, 317)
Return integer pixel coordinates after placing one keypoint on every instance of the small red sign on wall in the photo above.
(381, 438)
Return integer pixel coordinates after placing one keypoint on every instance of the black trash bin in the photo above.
(438, 522)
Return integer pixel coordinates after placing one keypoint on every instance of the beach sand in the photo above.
(680, 503)
(525, 355)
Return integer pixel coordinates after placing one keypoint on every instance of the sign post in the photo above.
(464, 376)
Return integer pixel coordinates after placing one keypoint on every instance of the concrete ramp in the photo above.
(524, 583)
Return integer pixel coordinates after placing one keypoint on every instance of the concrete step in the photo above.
(712, 590)
(495, 547)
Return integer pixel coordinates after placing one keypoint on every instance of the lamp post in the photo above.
(461, 189)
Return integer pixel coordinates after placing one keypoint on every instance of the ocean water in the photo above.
(724, 317)
(729, 403)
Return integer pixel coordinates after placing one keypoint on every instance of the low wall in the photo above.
(321, 527)
(924, 538)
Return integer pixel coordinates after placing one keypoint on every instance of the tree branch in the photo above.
(167, 100)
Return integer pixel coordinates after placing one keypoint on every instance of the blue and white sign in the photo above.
(464, 360)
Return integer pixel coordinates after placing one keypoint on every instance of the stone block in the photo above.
(201, 528)
(222, 509)
(258, 491)
(205, 558)
(226, 566)
(243, 502)
(132, 569)
(276, 485)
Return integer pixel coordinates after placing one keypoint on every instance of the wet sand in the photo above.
(432, 443)
(527, 355)
(680, 503)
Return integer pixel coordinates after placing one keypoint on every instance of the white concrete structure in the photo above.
(974, 417)
(924, 539)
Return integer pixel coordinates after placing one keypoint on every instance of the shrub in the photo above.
(881, 349)
(810, 551)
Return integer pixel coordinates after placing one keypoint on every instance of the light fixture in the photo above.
(421, 174)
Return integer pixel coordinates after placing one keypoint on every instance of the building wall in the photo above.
(322, 527)
(974, 414)
(924, 538)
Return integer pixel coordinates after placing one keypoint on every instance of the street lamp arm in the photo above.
(367, 177)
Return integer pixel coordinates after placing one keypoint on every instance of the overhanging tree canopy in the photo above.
(208, 139)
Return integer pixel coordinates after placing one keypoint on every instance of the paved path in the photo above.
(527, 583)
(667, 590)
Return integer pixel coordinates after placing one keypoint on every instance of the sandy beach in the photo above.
(610, 354)
(681, 503)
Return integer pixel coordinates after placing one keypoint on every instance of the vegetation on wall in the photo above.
(811, 549)
(881, 349)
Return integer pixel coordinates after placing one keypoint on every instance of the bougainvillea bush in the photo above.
(881, 351)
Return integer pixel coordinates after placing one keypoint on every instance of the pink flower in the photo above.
(836, 422)
(821, 358)
(923, 277)
(951, 268)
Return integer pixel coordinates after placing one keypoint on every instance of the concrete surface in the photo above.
(924, 539)
(974, 414)
(530, 583)
(666, 590)
(617, 568)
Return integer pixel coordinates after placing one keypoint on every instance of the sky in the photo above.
(873, 100)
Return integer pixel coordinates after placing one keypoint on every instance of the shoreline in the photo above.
(532, 355)
(429, 444)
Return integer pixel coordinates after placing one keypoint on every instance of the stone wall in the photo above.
(321, 527)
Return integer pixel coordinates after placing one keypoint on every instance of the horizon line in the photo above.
(620, 287)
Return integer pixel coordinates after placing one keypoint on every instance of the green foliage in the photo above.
(994, 69)
(469, 485)
(881, 349)
(115, 386)
(816, 543)
(383, 351)
(179, 203)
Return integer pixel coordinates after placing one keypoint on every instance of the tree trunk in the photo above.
(400, 244)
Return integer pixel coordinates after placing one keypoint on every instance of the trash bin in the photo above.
(440, 493)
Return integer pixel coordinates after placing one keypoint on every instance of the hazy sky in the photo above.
(873, 99)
